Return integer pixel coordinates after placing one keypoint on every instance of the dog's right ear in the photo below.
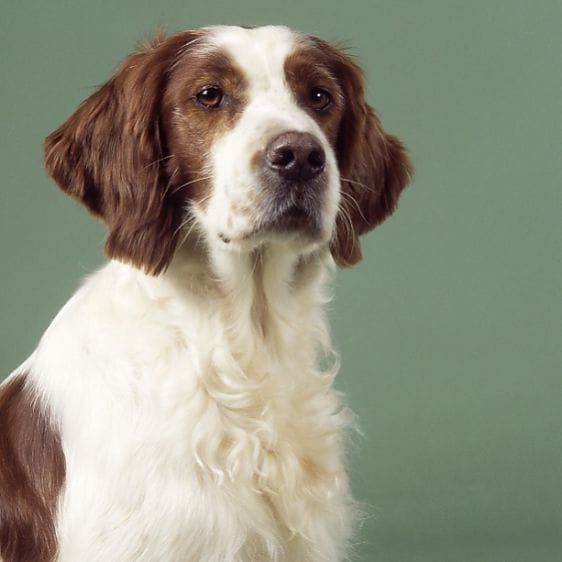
(110, 155)
(374, 165)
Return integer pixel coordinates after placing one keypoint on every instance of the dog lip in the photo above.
(295, 212)
(292, 217)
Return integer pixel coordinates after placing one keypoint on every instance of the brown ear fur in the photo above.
(374, 166)
(110, 155)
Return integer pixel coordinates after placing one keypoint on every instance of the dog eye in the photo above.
(319, 99)
(210, 97)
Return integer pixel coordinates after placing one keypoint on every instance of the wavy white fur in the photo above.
(170, 380)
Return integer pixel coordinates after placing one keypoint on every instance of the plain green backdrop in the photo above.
(450, 329)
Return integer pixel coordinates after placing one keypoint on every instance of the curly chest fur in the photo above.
(222, 432)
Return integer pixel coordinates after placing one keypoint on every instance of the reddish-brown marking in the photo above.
(373, 164)
(191, 129)
(306, 69)
(135, 150)
(32, 473)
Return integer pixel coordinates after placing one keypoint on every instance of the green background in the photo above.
(450, 329)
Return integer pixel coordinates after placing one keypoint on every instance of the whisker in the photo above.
(363, 185)
(196, 180)
(177, 188)
(357, 206)
(348, 225)
(190, 218)
(158, 161)
(187, 234)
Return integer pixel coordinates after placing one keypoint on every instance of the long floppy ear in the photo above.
(374, 167)
(111, 156)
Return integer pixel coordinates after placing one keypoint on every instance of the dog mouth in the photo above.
(292, 216)
(294, 213)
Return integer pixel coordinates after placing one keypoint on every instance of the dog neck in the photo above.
(270, 296)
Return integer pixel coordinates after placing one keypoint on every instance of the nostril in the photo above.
(295, 156)
(282, 157)
(317, 158)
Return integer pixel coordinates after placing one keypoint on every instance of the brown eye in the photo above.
(319, 99)
(210, 97)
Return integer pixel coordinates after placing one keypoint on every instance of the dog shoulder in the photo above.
(32, 473)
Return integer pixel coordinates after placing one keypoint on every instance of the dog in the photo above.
(181, 407)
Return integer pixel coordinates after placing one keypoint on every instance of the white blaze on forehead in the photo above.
(260, 52)
(271, 108)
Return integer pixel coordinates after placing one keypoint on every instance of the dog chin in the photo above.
(295, 231)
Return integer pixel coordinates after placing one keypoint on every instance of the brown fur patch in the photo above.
(32, 472)
(135, 152)
(305, 69)
(110, 155)
(192, 129)
(374, 165)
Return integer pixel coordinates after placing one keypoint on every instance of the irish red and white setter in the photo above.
(180, 407)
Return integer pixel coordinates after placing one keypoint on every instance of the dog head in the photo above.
(248, 136)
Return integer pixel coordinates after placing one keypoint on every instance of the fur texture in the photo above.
(187, 387)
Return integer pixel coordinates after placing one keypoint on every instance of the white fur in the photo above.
(196, 408)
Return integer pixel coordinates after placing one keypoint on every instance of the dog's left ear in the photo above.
(374, 167)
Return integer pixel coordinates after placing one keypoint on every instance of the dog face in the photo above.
(274, 170)
(247, 136)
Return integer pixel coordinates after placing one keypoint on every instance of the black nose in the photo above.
(295, 156)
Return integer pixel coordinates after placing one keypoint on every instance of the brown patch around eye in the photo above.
(315, 88)
(206, 96)
(213, 81)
